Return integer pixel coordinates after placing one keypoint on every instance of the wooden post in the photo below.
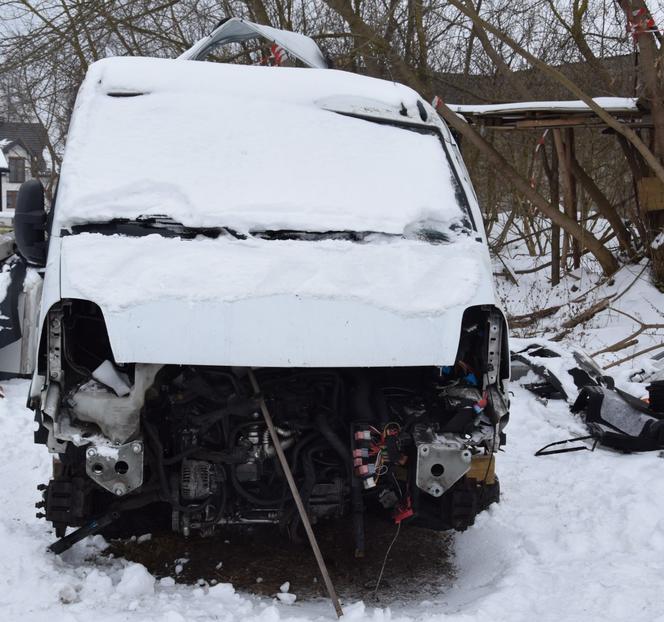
(569, 194)
(572, 207)
(554, 188)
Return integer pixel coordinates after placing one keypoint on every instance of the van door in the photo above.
(20, 296)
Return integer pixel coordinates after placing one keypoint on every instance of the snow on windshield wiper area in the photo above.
(425, 231)
(436, 232)
(316, 236)
(148, 225)
(430, 231)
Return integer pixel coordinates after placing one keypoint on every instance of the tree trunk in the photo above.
(603, 206)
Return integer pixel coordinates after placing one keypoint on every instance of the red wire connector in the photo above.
(403, 511)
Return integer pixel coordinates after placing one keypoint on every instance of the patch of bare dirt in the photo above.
(260, 560)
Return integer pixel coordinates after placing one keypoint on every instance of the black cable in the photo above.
(251, 497)
(166, 493)
(542, 451)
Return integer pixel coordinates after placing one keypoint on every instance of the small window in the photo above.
(12, 195)
(16, 170)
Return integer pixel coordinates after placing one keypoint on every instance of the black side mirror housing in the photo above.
(30, 223)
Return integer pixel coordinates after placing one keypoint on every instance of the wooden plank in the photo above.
(567, 179)
(572, 208)
(651, 194)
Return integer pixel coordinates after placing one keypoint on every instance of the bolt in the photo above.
(137, 447)
(54, 375)
(55, 323)
(119, 490)
(91, 452)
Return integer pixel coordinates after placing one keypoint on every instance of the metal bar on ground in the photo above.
(296, 496)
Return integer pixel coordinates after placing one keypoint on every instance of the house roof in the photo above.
(31, 135)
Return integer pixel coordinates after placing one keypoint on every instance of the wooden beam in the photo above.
(554, 197)
(572, 208)
(567, 179)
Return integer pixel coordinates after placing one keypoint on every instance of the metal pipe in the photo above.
(296, 495)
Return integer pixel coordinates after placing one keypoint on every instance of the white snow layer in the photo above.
(612, 104)
(577, 537)
(213, 144)
(405, 276)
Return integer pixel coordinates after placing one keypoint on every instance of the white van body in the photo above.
(317, 226)
(259, 149)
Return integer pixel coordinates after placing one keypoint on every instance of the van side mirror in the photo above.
(30, 223)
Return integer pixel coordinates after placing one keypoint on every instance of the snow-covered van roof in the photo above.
(211, 144)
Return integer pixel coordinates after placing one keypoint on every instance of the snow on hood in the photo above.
(212, 144)
(402, 276)
(275, 303)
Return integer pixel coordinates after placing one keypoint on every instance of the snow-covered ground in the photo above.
(629, 308)
(576, 537)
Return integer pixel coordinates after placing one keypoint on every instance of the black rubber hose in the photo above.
(159, 456)
(381, 407)
(309, 482)
(361, 403)
(253, 498)
(335, 442)
(362, 398)
(232, 378)
(295, 454)
(223, 498)
(166, 494)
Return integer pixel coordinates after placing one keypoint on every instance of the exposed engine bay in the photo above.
(187, 446)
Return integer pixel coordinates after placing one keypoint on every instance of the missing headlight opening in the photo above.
(188, 446)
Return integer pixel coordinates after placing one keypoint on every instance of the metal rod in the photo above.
(296, 496)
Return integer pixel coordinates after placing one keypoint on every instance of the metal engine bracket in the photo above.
(442, 460)
(118, 469)
(494, 346)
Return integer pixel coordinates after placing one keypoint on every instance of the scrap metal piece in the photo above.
(118, 469)
(494, 346)
(442, 460)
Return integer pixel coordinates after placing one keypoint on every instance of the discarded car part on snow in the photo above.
(619, 420)
(361, 297)
(568, 445)
(614, 418)
(561, 372)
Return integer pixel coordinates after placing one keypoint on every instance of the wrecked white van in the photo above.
(315, 226)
